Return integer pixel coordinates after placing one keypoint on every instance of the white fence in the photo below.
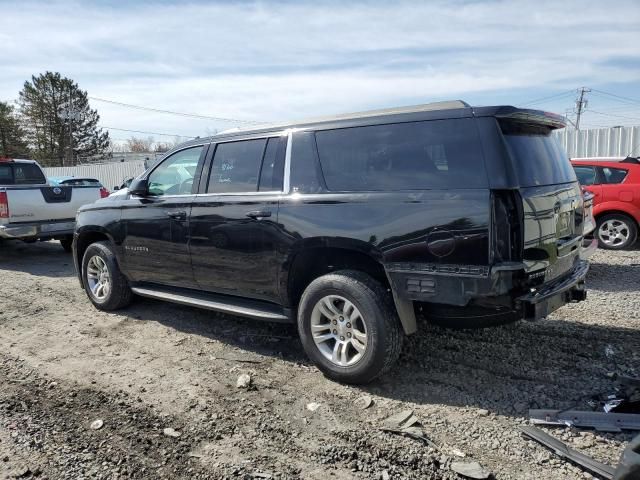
(601, 142)
(109, 174)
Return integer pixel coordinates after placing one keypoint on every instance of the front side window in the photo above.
(174, 176)
(586, 175)
(433, 154)
(614, 175)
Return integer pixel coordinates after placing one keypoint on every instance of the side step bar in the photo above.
(219, 303)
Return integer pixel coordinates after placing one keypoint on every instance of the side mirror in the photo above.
(139, 187)
(116, 188)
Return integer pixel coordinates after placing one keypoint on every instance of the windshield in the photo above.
(537, 156)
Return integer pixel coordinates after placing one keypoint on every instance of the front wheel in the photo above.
(103, 281)
(349, 327)
(616, 231)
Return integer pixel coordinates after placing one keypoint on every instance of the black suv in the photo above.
(351, 226)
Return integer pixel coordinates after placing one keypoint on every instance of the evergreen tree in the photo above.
(59, 122)
(12, 135)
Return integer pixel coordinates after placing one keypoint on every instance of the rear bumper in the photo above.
(589, 246)
(542, 302)
(37, 230)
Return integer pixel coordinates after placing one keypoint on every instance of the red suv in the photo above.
(615, 184)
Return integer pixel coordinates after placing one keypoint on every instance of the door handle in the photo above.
(257, 214)
(177, 215)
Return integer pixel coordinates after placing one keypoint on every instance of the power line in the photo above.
(619, 97)
(613, 115)
(171, 112)
(149, 133)
(544, 99)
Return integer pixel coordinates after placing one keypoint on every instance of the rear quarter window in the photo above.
(437, 154)
(614, 175)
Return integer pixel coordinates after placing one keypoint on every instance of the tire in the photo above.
(66, 243)
(118, 294)
(376, 317)
(616, 231)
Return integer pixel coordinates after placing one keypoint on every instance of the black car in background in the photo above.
(351, 226)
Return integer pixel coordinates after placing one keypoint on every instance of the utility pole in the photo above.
(581, 104)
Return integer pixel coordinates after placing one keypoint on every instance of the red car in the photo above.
(615, 184)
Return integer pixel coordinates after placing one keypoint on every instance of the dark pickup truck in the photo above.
(351, 226)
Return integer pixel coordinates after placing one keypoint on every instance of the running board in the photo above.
(216, 302)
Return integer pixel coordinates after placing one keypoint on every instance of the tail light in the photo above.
(104, 192)
(4, 205)
(507, 226)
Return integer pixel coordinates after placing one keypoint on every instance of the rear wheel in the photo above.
(66, 243)
(105, 285)
(616, 231)
(349, 327)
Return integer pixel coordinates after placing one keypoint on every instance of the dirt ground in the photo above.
(153, 366)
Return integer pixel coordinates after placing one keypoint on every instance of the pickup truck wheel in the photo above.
(616, 231)
(105, 285)
(349, 327)
(66, 243)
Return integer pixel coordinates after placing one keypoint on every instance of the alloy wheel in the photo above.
(339, 330)
(614, 233)
(98, 278)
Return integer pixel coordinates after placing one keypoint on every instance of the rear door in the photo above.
(551, 198)
(613, 187)
(233, 225)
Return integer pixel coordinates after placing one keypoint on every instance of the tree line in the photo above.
(53, 123)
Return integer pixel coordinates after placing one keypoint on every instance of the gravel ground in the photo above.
(155, 366)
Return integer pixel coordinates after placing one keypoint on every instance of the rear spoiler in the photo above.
(535, 117)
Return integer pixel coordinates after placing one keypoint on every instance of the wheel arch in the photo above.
(316, 257)
(85, 237)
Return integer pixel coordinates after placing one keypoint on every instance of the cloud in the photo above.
(282, 60)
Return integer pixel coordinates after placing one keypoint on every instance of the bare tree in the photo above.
(140, 145)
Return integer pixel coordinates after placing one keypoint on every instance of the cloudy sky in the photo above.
(272, 61)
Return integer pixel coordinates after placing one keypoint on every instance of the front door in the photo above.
(155, 247)
(233, 226)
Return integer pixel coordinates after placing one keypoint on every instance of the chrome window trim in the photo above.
(237, 194)
(286, 183)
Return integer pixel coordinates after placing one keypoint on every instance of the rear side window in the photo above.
(537, 156)
(402, 156)
(21, 174)
(586, 175)
(613, 175)
(248, 165)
